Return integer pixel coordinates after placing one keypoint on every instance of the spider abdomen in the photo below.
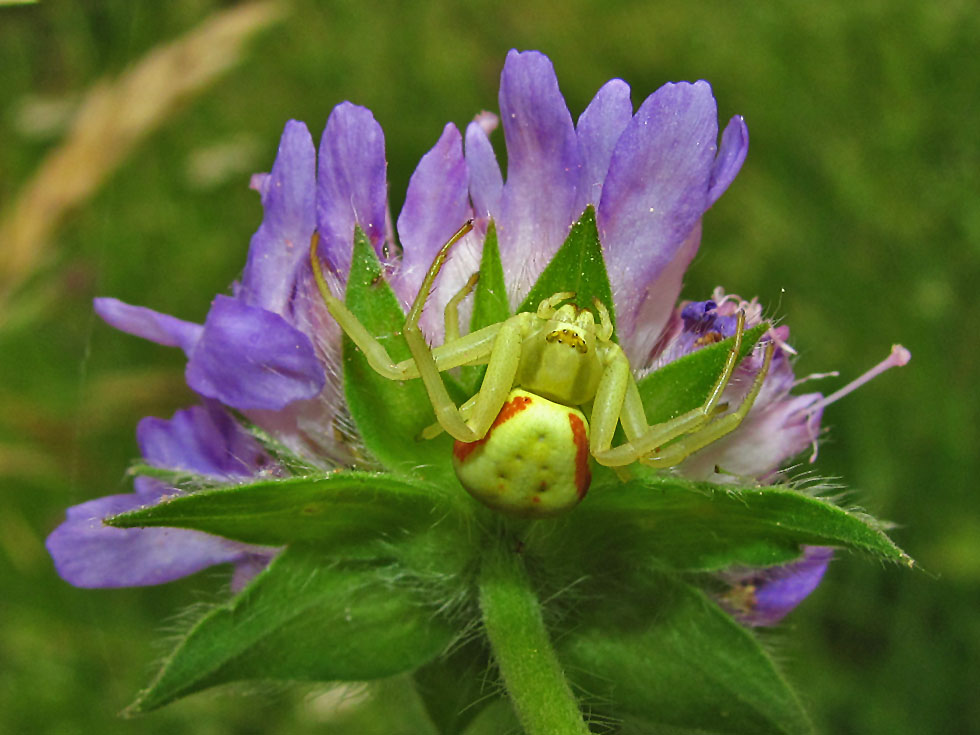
(533, 461)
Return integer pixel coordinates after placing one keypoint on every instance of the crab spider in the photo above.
(522, 441)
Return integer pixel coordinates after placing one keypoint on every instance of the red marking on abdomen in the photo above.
(462, 450)
(583, 475)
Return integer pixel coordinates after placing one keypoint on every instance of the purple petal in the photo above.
(148, 324)
(352, 188)
(641, 330)
(599, 127)
(768, 437)
(731, 156)
(543, 169)
(657, 187)
(247, 569)
(248, 358)
(485, 180)
(204, 440)
(436, 205)
(769, 595)
(280, 246)
(87, 553)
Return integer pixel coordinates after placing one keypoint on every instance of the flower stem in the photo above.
(522, 648)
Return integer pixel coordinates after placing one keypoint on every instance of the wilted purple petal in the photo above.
(88, 553)
(764, 597)
(731, 156)
(657, 187)
(436, 205)
(251, 358)
(352, 187)
(148, 324)
(598, 129)
(203, 440)
(543, 169)
(280, 246)
(485, 180)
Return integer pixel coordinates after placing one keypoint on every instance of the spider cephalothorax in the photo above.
(522, 440)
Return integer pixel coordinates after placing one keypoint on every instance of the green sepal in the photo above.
(669, 522)
(682, 385)
(389, 414)
(490, 305)
(307, 618)
(577, 266)
(659, 650)
(335, 510)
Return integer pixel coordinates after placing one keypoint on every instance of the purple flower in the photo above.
(202, 440)
(270, 350)
(764, 597)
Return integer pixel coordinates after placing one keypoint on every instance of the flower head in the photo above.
(271, 351)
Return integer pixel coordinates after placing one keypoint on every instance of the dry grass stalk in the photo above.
(114, 117)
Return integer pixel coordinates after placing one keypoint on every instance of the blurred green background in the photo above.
(856, 218)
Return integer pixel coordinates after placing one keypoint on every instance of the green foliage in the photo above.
(664, 653)
(669, 522)
(683, 384)
(490, 296)
(338, 510)
(389, 414)
(307, 617)
(490, 304)
(579, 267)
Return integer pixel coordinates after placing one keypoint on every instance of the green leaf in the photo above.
(659, 650)
(389, 414)
(684, 525)
(304, 618)
(577, 266)
(490, 304)
(490, 297)
(456, 687)
(682, 385)
(342, 508)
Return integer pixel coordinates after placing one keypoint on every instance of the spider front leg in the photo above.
(618, 398)
(504, 357)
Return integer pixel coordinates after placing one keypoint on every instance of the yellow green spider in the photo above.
(522, 441)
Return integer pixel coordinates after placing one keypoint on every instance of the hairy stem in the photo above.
(522, 648)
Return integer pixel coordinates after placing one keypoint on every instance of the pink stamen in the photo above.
(898, 357)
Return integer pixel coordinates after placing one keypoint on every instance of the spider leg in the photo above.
(502, 342)
(377, 356)
(469, 349)
(714, 430)
(618, 398)
(452, 308)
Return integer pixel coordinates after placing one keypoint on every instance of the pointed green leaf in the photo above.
(490, 297)
(685, 525)
(340, 508)
(659, 650)
(389, 414)
(682, 385)
(455, 688)
(490, 304)
(306, 619)
(577, 266)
